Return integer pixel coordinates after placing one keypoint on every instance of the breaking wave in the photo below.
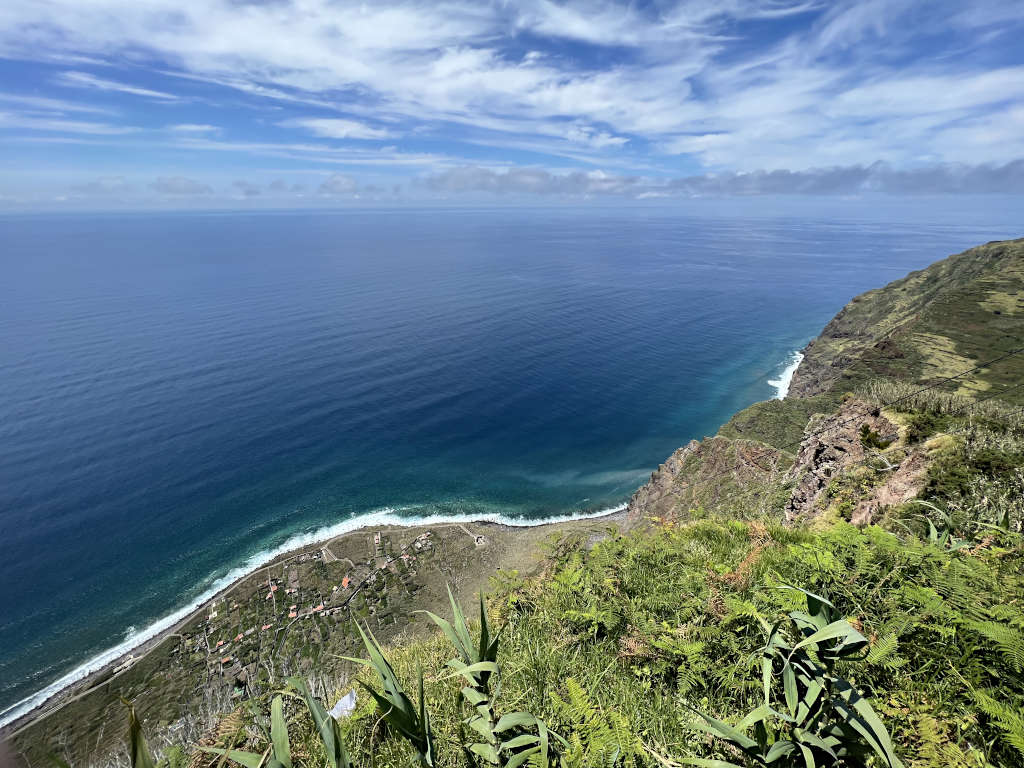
(782, 383)
(386, 516)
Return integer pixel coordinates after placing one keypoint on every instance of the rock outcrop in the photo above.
(835, 447)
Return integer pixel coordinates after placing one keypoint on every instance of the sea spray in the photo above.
(133, 638)
(782, 383)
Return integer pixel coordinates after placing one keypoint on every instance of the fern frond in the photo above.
(1009, 640)
(1009, 720)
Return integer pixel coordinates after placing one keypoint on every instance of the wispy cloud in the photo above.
(321, 153)
(86, 80)
(56, 124)
(247, 188)
(339, 185)
(180, 186)
(878, 178)
(643, 91)
(193, 128)
(46, 104)
(105, 186)
(336, 128)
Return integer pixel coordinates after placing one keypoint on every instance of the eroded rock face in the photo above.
(834, 447)
(656, 498)
(717, 472)
(902, 484)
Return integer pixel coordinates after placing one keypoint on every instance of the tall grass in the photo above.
(620, 646)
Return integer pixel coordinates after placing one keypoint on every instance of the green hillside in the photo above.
(962, 311)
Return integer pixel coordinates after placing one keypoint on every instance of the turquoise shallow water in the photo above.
(181, 392)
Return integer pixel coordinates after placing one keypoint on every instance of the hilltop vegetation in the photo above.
(889, 487)
(931, 324)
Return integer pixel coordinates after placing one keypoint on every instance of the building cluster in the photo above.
(287, 615)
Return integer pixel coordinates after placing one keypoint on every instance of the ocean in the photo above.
(183, 394)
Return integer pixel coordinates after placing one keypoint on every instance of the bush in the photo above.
(922, 425)
(869, 438)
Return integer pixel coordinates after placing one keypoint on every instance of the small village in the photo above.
(287, 615)
(295, 616)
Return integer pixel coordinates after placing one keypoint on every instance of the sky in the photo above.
(290, 103)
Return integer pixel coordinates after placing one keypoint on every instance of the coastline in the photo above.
(121, 657)
(100, 669)
(785, 379)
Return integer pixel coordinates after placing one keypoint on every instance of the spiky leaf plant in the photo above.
(410, 721)
(326, 726)
(277, 755)
(483, 652)
(511, 739)
(138, 750)
(820, 718)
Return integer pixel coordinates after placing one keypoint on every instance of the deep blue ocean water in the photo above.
(180, 392)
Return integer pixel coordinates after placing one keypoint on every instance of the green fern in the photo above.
(936, 747)
(1009, 641)
(883, 652)
(1008, 719)
(597, 738)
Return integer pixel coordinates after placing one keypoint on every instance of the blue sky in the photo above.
(113, 103)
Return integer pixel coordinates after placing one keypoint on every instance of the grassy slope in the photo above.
(653, 624)
(661, 621)
(179, 687)
(933, 323)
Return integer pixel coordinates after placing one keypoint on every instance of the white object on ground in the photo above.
(346, 706)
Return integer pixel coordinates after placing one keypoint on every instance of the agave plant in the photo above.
(509, 740)
(326, 726)
(410, 721)
(278, 753)
(820, 718)
(942, 536)
(138, 750)
(482, 655)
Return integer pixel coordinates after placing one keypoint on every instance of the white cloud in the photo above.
(878, 178)
(86, 80)
(339, 185)
(57, 124)
(105, 186)
(247, 189)
(179, 186)
(336, 128)
(193, 128)
(321, 153)
(844, 86)
(45, 104)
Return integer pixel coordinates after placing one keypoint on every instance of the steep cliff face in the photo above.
(715, 473)
(835, 450)
(932, 323)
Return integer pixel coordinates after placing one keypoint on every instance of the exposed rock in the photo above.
(904, 483)
(655, 498)
(833, 445)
